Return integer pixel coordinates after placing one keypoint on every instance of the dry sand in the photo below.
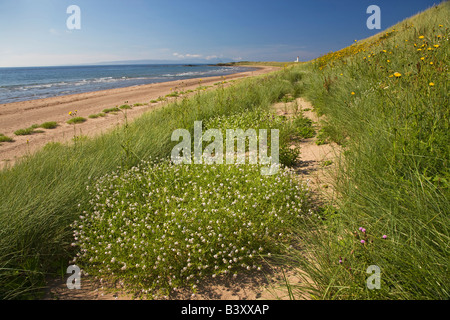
(20, 115)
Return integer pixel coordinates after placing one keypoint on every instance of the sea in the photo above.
(30, 83)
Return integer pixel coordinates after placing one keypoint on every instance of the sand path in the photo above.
(20, 115)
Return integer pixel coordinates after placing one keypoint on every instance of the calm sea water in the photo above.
(20, 84)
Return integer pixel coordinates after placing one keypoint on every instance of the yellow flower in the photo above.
(431, 84)
(70, 113)
(423, 58)
(391, 76)
(436, 46)
(397, 74)
(389, 61)
(342, 74)
(431, 62)
(353, 93)
(384, 51)
(421, 37)
(429, 49)
(440, 26)
(419, 49)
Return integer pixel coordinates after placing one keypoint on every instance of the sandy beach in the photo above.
(20, 115)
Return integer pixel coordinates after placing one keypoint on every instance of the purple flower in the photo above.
(363, 230)
(362, 241)
(340, 261)
(360, 228)
(384, 236)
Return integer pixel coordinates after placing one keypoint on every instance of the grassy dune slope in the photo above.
(386, 102)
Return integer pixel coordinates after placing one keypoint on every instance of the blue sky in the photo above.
(34, 32)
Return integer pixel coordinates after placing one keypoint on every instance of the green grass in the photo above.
(32, 129)
(76, 120)
(125, 106)
(393, 173)
(173, 94)
(97, 115)
(24, 132)
(4, 138)
(35, 217)
(49, 125)
(111, 110)
(303, 127)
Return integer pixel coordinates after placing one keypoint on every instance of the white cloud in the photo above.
(186, 55)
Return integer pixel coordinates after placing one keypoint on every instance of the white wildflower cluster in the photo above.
(161, 225)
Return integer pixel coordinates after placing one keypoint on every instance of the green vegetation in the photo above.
(303, 127)
(97, 115)
(173, 94)
(393, 176)
(257, 120)
(326, 163)
(76, 120)
(49, 125)
(125, 106)
(32, 129)
(24, 132)
(111, 110)
(196, 233)
(4, 138)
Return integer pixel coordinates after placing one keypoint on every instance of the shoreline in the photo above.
(23, 114)
(115, 85)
